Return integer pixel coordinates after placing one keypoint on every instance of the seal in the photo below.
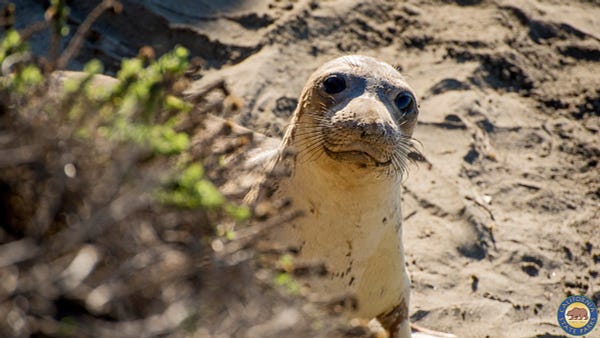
(346, 151)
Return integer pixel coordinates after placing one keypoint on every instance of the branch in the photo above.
(77, 40)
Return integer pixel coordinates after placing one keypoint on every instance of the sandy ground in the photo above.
(503, 222)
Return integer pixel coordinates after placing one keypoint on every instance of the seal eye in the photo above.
(404, 102)
(334, 84)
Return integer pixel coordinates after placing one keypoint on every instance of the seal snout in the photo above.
(377, 129)
(371, 140)
(362, 131)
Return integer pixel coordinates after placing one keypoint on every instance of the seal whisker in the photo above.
(398, 164)
(323, 121)
(309, 154)
(314, 156)
(310, 149)
(309, 145)
(307, 137)
(301, 133)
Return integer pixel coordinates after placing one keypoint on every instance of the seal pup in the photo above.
(346, 151)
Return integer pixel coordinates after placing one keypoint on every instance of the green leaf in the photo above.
(94, 66)
(210, 197)
(130, 68)
(11, 43)
(191, 175)
(177, 104)
(238, 213)
(182, 52)
(26, 78)
(287, 262)
(285, 279)
(230, 235)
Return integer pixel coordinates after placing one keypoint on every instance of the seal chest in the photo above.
(350, 138)
(359, 244)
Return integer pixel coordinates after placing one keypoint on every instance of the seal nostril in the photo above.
(373, 129)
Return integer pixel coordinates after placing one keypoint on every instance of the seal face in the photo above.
(577, 315)
(356, 110)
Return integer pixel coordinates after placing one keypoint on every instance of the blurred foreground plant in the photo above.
(101, 209)
(140, 106)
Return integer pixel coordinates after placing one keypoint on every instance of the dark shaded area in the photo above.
(285, 106)
(420, 314)
(477, 251)
(254, 21)
(468, 2)
(590, 107)
(448, 85)
(581, 52)
(530, 269)
(471, 156)
(506, 72)
(121, 35)
(474, 283)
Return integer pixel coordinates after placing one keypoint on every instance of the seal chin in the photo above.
(361, 158)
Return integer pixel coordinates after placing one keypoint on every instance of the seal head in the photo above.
(356, 110)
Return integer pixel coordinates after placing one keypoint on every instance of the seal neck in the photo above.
(349, 188)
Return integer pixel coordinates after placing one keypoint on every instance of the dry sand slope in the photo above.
(504, 220)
